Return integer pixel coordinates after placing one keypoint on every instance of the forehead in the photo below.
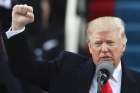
(105, 35)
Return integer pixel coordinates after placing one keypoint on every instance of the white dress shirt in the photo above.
(11, 33)
(115, 82)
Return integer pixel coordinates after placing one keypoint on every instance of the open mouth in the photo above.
(106, 59)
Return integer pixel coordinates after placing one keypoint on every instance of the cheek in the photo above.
(118, 53)
(95, 56)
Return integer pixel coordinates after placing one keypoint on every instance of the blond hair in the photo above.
(103, 23)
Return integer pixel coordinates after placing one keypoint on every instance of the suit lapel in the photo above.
(124, 81)
(128, 81)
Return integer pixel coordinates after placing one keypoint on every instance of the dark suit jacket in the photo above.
(3, 88)
(67, 73)
(8, 83)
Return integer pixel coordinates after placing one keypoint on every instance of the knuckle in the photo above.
(15, 7)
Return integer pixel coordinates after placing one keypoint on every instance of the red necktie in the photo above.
(106, 88)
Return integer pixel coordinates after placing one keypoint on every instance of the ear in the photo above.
(90, 47)
(124, 47)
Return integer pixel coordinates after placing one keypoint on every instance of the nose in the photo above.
(104, 48)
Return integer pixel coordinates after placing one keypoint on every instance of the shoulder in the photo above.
(135, 75)
(71, 57)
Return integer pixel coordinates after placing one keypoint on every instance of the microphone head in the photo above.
(104, 71)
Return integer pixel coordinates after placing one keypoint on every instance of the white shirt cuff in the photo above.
(11, 33)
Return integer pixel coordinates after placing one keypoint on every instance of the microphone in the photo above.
(104, 71)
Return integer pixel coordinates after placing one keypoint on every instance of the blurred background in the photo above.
(60, 25)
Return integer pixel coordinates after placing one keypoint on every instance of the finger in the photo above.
(23, 9)
(31, 16)
(15, 8)
(29, 8)
(19, 9)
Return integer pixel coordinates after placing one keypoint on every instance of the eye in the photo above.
(98, 43)
(111, 43)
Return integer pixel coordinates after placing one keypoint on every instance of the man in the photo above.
(69, 72)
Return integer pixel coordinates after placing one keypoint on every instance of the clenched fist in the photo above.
(21, 16)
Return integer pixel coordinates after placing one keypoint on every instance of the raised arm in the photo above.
(21, 59)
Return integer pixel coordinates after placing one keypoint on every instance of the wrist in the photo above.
(16, 27)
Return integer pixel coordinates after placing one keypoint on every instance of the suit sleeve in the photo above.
(23, 66)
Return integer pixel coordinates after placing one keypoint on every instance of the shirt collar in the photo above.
(117, 73)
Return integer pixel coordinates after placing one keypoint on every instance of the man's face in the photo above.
(106, 45)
